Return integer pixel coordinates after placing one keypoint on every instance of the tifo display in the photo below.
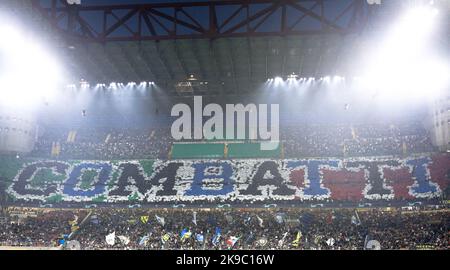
(231, 181)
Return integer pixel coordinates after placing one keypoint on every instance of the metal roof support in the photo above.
(135, 18)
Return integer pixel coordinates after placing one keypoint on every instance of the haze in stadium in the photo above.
(218, 125)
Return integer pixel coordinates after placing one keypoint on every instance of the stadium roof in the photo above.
(168, 43)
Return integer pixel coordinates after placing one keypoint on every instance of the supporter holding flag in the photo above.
(199, 237)
(260, 220)
(216, 237)
(232, 241)
(74, 222)
(330, 242)
(281, 242)
(160, 220)
(247, 220)
(355, 219)
(62, 241)
(185, 234)
(144, 240)
(111, 239)
(144, 219)
(194, 218)
(249, 239)
(296, 242)
(165, 238)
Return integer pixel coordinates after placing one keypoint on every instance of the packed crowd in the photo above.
(298, 141)
(358, 140)
(230, 229)
(109, 144)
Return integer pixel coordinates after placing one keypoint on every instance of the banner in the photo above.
(229, 181)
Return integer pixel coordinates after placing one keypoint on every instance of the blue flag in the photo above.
(200, 237)
(185, 233)
(144, 240)
(216, 237)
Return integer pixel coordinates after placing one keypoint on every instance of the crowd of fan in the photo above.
(26, 227)
(358, 140)
(106, 144)
(298, 141)
(255, 229)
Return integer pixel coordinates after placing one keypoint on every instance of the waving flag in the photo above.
(355, 219)
(260, 220)
(165, 238)
(330, 241)
(249, 239)
(111, 239)
(281, 242)
(124, 239)
(194, 218)
(216, 237)
(200, 237)
(144, 219)
(144, 240)
(247, 220)
(296, 242)
(232, 241)
(160, 220)
(185, 234)
(74, 222)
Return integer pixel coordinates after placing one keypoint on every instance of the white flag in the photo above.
(125, 240)
(111, 239)
(281, 242)
(330, 241)
(194, 219)
(160, 220)
(260, 221)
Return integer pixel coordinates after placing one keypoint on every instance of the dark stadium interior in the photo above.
(89, 160)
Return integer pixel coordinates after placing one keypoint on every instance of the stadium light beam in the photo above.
(30, 72)
(404, 64)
